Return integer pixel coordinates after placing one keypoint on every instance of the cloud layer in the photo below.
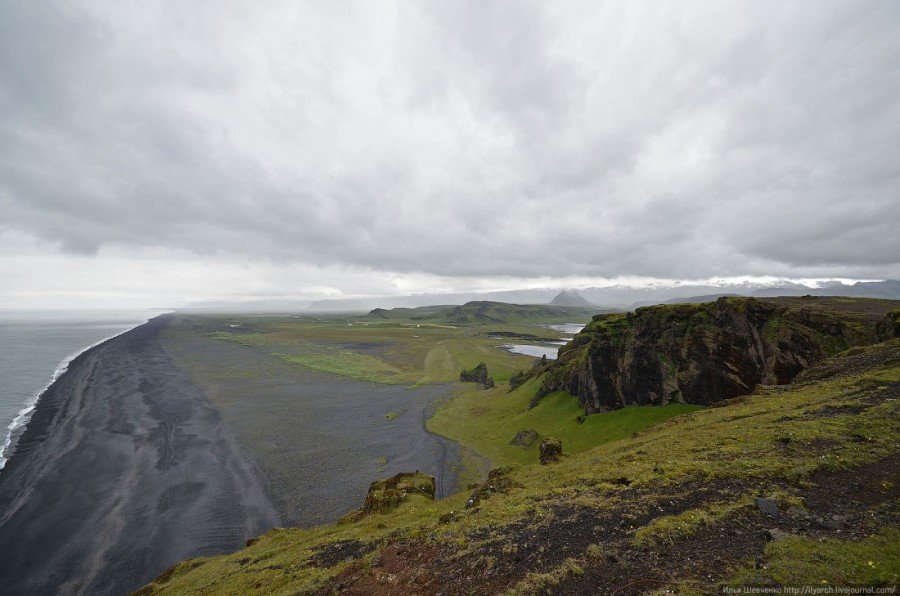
(461, 140)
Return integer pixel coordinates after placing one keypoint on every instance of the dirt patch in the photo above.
(369, 348)
(852, 362)
(871, 396)
(846, 504)
(400, 568)
(853, 492)
(337, 552)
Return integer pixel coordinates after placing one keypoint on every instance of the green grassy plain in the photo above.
(386, 352)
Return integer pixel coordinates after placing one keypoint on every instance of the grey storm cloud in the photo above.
(676, 140)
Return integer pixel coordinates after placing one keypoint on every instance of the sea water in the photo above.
(36, 347)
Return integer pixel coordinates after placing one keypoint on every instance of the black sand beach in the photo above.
(124, 469)
(320, 439)
(139, 457)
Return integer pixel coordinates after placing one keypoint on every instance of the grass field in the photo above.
(392, 352)
(487, 420)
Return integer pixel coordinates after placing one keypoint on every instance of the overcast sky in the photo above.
(153, 153)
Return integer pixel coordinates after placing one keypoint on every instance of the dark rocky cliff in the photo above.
(704, 353)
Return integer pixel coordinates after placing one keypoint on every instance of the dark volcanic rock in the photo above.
(551, 449)
(774, 534)
(704, 353)
(525, 438)
(479, 374)
(768, 507)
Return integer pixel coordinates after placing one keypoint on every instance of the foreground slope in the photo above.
(677, 506)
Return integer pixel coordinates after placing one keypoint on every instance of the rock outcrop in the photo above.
(479, 374)
(704, 353)
(550, 451)
(498, 481)
(386, 495)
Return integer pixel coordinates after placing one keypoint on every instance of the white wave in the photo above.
(24, 415)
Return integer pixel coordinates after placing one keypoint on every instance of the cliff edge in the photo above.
(704, 353)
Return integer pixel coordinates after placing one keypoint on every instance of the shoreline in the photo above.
(43, 410)
(123, 469)
(23, 417)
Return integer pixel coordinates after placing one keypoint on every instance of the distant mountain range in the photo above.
(481, 312)
(624, 296)
(618, 296)
(888, 289)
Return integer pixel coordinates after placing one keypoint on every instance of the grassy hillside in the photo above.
(673, 507)
(483, 312)
(487, 421)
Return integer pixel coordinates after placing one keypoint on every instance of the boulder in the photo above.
(479, 374)
(774, 534)
(524, 438)
(550, 450)
(768, 507)
(498, 481)
(385, 495)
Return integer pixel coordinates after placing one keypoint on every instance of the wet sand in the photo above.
(125, 469)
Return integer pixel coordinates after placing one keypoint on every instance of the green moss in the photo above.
(612, 328)
(795, 561)
(670, 528)
(539, 583)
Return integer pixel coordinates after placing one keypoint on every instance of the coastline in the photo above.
(123, 469)
(23, 417)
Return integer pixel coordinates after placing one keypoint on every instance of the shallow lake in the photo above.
(529, 350)
(567, 328)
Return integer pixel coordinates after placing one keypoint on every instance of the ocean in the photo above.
(36, 347)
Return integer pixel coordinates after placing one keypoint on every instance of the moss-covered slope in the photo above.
(675, 508)
(703, 353)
